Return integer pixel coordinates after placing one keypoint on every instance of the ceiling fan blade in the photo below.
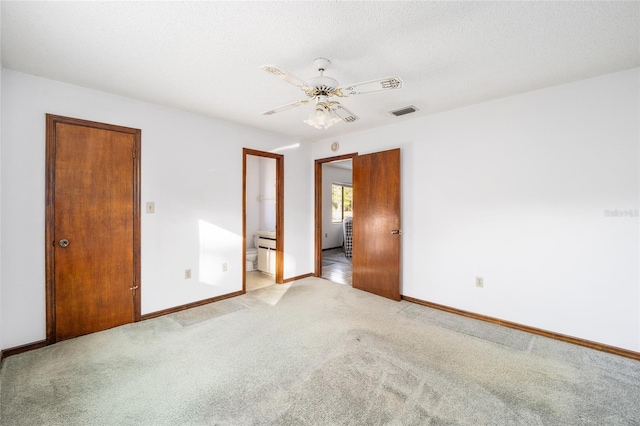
(288, 106)
(371, 86)
(346, 115)
(286, 76)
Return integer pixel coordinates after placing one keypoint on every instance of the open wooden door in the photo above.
(376, 223)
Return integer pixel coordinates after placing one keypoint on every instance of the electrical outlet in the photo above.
(187, 274)
(224, 267)
(479, 282)
(151, 207)
(326, 235)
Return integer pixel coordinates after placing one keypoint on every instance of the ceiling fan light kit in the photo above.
(323, 116)
(320, 88)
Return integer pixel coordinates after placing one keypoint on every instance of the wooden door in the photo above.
(376, 223)
(93, 237)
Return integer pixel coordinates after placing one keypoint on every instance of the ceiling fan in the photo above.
(320, 89)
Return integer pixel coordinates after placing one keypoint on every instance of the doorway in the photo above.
(92, 227)
(262, 219)
(376, 226)
(331, 260)
(337, 221)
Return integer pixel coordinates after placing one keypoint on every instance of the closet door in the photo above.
(92, 227)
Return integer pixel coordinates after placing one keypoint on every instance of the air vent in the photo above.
(403, 111)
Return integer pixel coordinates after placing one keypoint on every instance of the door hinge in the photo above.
(134, 153)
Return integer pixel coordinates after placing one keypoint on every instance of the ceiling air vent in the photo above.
(405, 110)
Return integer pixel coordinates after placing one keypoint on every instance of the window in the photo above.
(341, 202)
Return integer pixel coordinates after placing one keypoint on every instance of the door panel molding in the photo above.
(50, 285)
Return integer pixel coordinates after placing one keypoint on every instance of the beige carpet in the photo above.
(317, 353)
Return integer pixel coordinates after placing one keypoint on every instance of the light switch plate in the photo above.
(151, 207)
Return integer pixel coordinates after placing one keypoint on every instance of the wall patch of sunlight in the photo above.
(218, 248)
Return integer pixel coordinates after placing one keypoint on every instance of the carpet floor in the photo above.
(313, 352)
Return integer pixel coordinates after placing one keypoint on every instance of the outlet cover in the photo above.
(187, 274)
(479, 282)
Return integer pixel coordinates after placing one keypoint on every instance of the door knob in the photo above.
(396, 232)
(63, 243)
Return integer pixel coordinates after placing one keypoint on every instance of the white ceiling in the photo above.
(340, 164)
(205, 56)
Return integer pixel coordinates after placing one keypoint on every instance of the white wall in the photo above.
(261, 196)
(267, 194)
(191, 169)
(331, 232)
(298, 212)
(515, 190)
(253, 192)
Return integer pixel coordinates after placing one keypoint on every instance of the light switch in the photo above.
(151, 207)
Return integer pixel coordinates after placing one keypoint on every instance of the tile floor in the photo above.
(336, 267)
(257, 279)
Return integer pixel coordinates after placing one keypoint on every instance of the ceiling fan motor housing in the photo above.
(324, 85)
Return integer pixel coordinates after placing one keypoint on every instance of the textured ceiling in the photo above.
(205, 56)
